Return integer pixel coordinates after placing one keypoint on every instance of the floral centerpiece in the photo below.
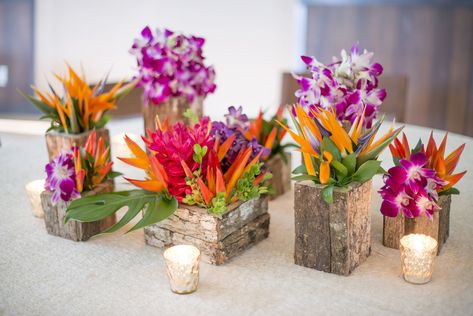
(203, 173)
(77, 172)
(333, 188)
(172, 73)
(79, 110)
(419, 185)
(348, 85)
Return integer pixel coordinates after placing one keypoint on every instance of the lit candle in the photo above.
(182, 264)
(418, 252)
(33, 190)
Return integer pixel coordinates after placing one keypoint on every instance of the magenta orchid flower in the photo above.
(60, 178)
(235, 118)
(410, 188)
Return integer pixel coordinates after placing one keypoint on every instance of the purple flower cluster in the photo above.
(410, 188)
(349, 85)
(171, 65)
(236, 123)
(60, 178)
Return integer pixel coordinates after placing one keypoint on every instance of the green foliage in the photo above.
(93, 208)
(199, 153)
(450, 191)
(245, 188)
(191, 116)
(219, 206)
(327, 193)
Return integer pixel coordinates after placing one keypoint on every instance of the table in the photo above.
(120, 275)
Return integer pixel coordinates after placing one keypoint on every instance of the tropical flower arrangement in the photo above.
(80, 108)
(419, 177)
(193, 165)
(349, 85)
(171, 65)
(269, 133)
(332, 156)
(79, 169)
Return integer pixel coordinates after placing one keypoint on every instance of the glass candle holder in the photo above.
(418, 253)
(33, 191)
(182, 266)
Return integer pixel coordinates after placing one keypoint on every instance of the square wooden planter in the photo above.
(57, 142)
(334, 237)
(394, 228)
(173, 109)
(281, 180)
(73, 230)
(218, 238)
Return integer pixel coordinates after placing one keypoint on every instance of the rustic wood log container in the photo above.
(57, 142)
(281, 170)
(218, 238)
(74, 230)
(173, 109)
(334, 237)
(394, 228)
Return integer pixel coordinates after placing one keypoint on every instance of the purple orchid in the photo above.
(409, 188)
(235, 118)
(171, 65)
(61, 178)
(349, 85)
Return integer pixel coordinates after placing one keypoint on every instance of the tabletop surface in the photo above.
(118, 274)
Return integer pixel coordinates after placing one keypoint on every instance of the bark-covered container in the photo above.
(173, 109)
(218, 238)
(74, 230)
(57, 142)
(394, 228)
(332, 237)
(281, 170)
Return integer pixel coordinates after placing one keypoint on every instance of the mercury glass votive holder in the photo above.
(418, 253)
(33, 191)
(182, 266)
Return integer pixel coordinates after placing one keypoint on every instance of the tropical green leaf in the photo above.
(339, 167)
(300, 170)
(327, 194)
(329, 145)
(43, 107)
(349, 162)
(381, 170)
(366, 171)
(417, 148)
(97, 207)
(450, 191)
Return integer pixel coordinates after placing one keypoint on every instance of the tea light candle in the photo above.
(418, 252)
(182, 265)
(33, 191)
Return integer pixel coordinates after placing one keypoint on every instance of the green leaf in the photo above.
(300, 169)
(43, 107)
(97, 207)
(327, 193)
(191, 116)
(450, 191)
(73, 119)
(417, 148)
(396, 161)
(158, 209)
(381, 170)
(349, 162)
(329, 145)
(339, 167)
(375, 152)
(366, 171)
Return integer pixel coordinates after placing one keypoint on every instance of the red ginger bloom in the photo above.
(173, 144)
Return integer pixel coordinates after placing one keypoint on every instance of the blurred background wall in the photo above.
(426, 47)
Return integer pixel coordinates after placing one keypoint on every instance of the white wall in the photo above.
(250, 42)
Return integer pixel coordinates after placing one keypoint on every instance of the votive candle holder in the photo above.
(33, 191)
(182, 266)
(418, 252)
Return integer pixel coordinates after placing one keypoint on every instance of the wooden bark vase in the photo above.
(74, 230)
(394, 228)
(173, 109)
(57, 142)
(218, 238)
(281, 170)
(334, 237)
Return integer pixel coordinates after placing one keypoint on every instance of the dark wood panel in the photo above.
(431, 45)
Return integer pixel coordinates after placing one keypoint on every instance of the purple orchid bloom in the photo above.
(235, 118)
(349, 85)
(60, 178)
(171, 65)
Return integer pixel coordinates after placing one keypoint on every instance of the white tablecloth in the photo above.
(120, 275)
